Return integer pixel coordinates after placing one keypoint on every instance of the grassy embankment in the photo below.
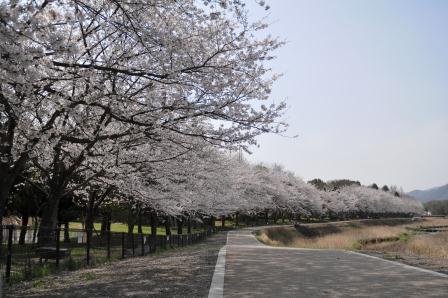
(388, 236)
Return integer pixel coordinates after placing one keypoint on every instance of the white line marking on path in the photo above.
(400, 264)
(217, 286)
(348, 251)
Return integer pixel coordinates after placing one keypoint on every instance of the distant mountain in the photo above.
(436, 193)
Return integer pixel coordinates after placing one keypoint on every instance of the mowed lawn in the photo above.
(123, 228)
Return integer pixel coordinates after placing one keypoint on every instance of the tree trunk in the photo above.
(23, 229)
(66, 232)
(223, 221)
(8, 175)
(104, 223)
(275, 217)
(189, 225)
(154, 224)
(36, 228)
(131, 224)
(139, 222)
(4, 196)
(49, 219)
(6, 185)
(90, 211)
(179, 226)
(167, 226)
(236, 220)
(212, 222)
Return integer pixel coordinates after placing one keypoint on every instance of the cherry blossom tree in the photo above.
(78, 74)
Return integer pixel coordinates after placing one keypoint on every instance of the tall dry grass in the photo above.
(348, 235)
(346, 239)
(435, 245)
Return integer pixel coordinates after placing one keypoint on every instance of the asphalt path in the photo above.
(248, 268)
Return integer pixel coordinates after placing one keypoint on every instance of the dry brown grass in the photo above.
(346, 239)
(348, 235)
(429, 245)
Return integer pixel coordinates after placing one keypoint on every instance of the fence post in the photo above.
(122, 245)
(143, 244)
(58, 244)
(108, 244)
(88, 246)
(9, 255)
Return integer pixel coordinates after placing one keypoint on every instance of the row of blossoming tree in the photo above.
(135, 103)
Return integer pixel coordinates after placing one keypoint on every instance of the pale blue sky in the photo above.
(367, 87)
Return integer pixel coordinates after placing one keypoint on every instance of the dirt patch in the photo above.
(185, 272)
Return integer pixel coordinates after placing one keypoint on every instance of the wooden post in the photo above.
(9, 255)
(58, 244)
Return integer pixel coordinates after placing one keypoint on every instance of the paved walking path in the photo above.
(256, 270)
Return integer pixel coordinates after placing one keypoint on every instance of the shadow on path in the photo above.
(185, 272)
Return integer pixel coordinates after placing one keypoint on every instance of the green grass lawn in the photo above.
(121, 227)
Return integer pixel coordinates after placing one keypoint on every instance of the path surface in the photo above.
(256, 270)
(183, 272)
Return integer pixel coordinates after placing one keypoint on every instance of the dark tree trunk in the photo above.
(139, 222)
(23, 229)
(4, 196)
(49, 219)
(275, 217)
(179, 226)
(90, 211)
(154, 224)
(35, 229)
(236, 220)
(131, 224)
(6, 183)
(167, 225)
(66, 232)
(104, 224)
(223, 221)
(189, 225)
(8, 175)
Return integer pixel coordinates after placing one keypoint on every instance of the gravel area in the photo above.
(184, 272)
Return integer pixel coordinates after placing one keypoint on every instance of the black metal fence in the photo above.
(23, 256)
